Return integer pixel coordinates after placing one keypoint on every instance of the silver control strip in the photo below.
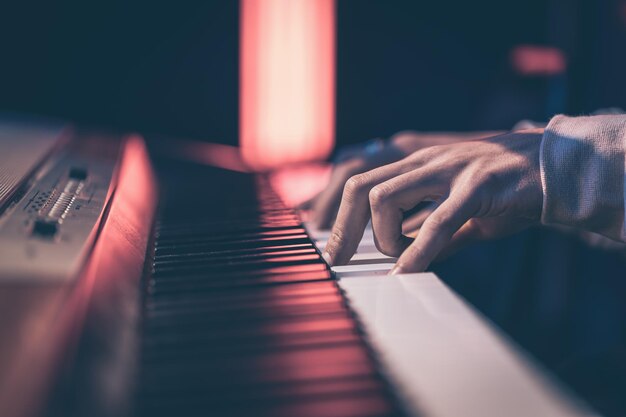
(46, 235)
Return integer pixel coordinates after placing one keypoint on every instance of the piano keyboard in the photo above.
(243, 317)
(442, 357)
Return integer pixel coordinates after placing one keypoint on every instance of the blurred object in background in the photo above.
(538, 60)
(287, 72)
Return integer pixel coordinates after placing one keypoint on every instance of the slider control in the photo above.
(43, 228)
(78, 173)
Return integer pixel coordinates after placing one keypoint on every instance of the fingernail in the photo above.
(326, 257)
(395, 270)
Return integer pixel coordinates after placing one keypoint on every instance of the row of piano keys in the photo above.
(243, 317)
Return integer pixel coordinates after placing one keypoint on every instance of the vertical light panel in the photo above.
(287, 100)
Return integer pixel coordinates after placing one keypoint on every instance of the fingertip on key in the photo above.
(327, 258)
(396, 270)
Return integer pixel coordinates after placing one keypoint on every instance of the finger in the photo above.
(436, 232)
(389, 201)
(354, 212)
(467, 234)
(327, 203)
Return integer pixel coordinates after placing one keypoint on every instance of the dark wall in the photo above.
(427, 65)
(172, 68)
(167, 67)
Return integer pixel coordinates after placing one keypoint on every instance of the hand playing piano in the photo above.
(484, 189)
(358, 159)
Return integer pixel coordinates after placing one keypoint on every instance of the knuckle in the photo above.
(378, 195)
(437, 222)
(424, 155)
(489, 180)
(355, 184)
(404, 138)
(481, 185)
(336, 241)
(475, 180)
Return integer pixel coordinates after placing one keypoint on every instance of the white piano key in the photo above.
(321, 244)
(374, 257)
(367, 248)
(364, 247)
(318, 234)
(444, 358)
(315, 233)
(343, 271)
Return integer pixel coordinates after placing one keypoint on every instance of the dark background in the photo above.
(173, 68)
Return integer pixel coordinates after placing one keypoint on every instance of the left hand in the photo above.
(486, 189)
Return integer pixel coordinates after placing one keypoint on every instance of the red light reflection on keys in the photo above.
(304, 275)
(294, 236)
(310, 257)
(292, 269)
(363, 405)
(313, 326)
(297, 363)
(304, 289)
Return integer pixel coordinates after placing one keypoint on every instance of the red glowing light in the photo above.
(538, 60)
(287, 81)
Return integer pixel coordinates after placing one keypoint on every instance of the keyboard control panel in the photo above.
(49, 228)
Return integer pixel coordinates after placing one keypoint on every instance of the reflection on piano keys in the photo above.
(243, 317)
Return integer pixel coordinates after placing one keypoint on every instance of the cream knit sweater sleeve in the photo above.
(582, 173)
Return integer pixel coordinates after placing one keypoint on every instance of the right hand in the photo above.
(323, 207)
(486, 189)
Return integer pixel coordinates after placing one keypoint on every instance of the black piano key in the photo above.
(241, 314)
(237, 314)
(215, 331)
(199, 238)
(310, 362)
(243, 295)
(236, 265)
(215, 262)
(206, 283)
(357, 404)
(266, 275)
(259, 392)
(171, 249)
(210, 234)
(253, 346)
(231, 302)
(229, 252)
(265, 395)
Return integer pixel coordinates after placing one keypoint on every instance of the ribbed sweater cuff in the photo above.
(582, 173)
